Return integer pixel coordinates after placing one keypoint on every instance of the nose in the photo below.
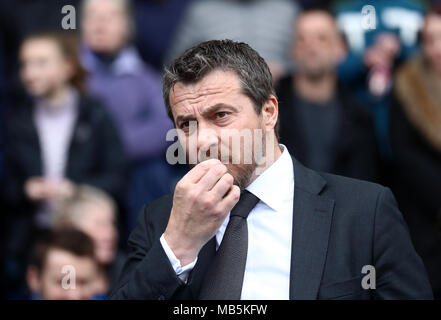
(207, 141)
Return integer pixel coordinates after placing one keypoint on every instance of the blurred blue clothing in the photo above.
(156, 23)
(132, 93)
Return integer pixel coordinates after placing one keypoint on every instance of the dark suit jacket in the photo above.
(340, 225)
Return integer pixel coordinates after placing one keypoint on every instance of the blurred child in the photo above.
(94, 212)
(63, 267)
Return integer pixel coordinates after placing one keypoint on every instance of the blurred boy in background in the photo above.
(93, 212)
(63, 267)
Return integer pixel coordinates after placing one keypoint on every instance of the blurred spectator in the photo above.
(132, 92)
(378, 39)
(47, 275)
(56, 140)
(319, 121)
(265, 25)
(94, 212)
(416, 144)
(156, 22)
(19, 19)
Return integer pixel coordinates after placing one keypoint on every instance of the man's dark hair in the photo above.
(196, 62)
(68, 239)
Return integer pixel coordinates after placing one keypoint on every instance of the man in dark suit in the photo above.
(320, 123)
(268, 228)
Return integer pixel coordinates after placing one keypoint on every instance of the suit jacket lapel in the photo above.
(311, 228)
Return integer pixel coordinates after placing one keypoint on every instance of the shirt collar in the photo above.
(276, 183)
(127, 62)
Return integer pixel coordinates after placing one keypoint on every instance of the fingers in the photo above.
(209, 180)
(224, 185)
(196, 173)
(230, 199)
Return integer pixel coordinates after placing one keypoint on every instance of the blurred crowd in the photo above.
(83, 122)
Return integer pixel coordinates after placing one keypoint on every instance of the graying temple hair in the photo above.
(196, 62)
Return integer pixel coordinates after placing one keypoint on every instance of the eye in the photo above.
(220, 115)
(184, 124)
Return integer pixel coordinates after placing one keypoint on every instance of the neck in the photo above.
(57, 97)
(271, 156)
(315, 88)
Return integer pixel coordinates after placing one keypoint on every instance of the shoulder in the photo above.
(351, 188)
(359, 205)
(356, 200)
(17, 118)
(92, 109)
(347, 193)
(90, 104)
(156, 214)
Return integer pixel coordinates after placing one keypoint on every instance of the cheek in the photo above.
(52, 74)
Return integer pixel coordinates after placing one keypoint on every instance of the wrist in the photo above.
(185, 251)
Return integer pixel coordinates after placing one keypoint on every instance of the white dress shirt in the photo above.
(55, 126)
(267, 270)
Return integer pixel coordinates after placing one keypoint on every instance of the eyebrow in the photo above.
(206, 111)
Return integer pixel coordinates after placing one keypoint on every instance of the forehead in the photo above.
(95, 210)
(103, 6)
(57, 258)
(216, 82)
(316, 22)
(40, 46)
(216, 87)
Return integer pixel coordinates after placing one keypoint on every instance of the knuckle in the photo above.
(203, 165)
(223, 168)
(235, 193)
(228, 178)
(220, 169)
(208, 163)
(206, 201)
(216, 212)
(192, 194)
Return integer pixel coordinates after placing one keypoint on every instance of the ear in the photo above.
(33, 279)
(270, 112)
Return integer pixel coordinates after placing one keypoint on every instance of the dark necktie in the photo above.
(224, 277)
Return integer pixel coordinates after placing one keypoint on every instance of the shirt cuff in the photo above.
(181, 272)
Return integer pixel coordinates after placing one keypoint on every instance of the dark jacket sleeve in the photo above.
(147, 273)
(400, 273)
(16, 154)
(362, 160)
(418, 165)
